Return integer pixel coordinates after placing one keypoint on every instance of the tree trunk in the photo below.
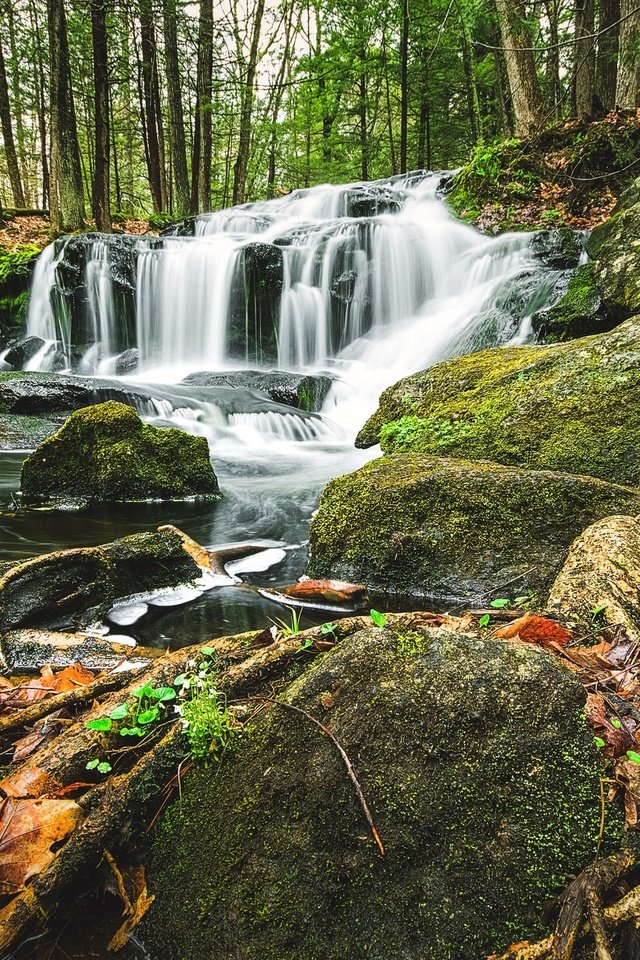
(628, 85)
(553, 60)
(473, 100)
(176, 115)
(404, 86)
(39, 84)
(7, 134)
(101, 176)
(67, 208)
(362, 114)
(607, 60)
(246, 110)
(526, 95)
(149, 80)
(201, 163)
(584, 59)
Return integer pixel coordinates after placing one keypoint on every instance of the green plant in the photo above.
(208, 723)
(293, 627)
(409, 643)
(378, 619)
(484, 620)
(100, 765)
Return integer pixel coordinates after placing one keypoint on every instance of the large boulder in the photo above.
(482, 779)
(615, 248)
(69, 588)
(300, 390)
(16, 269)
(573, 407)
(105, 453)
(599, 583)
(414, 525)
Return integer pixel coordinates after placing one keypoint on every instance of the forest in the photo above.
(119, 108)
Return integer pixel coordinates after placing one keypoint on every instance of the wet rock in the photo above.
(615, 248)
(482, 778)
(127, 362)
(573, 407)
(579, 312)
(20, 351)
(602, 573)
(70, 588)
(444, 529)
(16, 270)
(302, 391)
(255, 304)
(106, 454)
(371, 201)
(559, 249)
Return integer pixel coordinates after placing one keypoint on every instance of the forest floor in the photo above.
(35, 229)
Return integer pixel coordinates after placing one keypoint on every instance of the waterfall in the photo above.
(371, 281)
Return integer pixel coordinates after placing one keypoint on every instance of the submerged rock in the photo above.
(410, 524)
(573, 407)
(69, 588)
(302, 391)
(599, 583)
(482, 778)
(105, 453)
(615, 248)
(579, 312)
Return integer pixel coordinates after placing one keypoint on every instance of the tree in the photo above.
(176, 116)
(101, 175)
(7, 135)
(584, 63)
(628, 84)
(526, 94)
(201, 161)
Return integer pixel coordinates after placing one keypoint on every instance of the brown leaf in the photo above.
(628, 774)
(46, 685)
(30, 782)
(532, 628)
(131, 886)
(618, 739)
(43, 731)
(28, 830)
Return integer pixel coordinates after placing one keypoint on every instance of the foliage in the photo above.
(209, 724)
(293, 627)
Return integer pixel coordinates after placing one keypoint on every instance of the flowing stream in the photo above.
(362, 284)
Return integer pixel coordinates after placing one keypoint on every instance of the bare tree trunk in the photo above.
(473, 100)
(7, 135)
(242, 159)
(553, 61)
(176, 114)
(607, 59)
(628, 86)
(201, 162)
(101, 171)
(584, 59)
(526, 95)
(149, 79)
(67, 209)
(404, 86)
(39, 84)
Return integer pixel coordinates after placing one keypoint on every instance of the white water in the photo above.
(371, 299)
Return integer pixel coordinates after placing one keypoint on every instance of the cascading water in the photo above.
(363, 284)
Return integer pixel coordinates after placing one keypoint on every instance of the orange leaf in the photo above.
(28, 830)
(532, 628)
(30, 782)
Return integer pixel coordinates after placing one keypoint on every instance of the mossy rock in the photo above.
(615, 248)
(580, 311)
(482, 778)
(444, 529)
(16, 268)
(105, 453)
(71, 588)
(573, 407)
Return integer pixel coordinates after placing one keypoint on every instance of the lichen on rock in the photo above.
(483, 780)
(573, 407)
(105, 453)
(615, 248)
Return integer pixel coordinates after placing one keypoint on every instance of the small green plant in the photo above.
(597, 611)
(484, 620)
(409, 643)
(100, 765)
(293, 627)
(208, 723)
(502, 603)
(633, 756)
(378, 619)
(329, 630)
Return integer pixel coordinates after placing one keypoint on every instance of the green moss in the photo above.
(481, 777)
(106, 453)
(412, 524)
(16, 265)
(578, 313)
(615, 247)
(573, 407)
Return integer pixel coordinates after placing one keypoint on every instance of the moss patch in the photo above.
(16, 267)
(578, 313)
(483, 781)
(105, 453)
(410, 524)
(573, 407)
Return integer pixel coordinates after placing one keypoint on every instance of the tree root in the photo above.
(582, 913)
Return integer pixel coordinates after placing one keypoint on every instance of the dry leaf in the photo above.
(532, 628)
(131, 886)
(28, 830)
(46, 685)
(30, 782)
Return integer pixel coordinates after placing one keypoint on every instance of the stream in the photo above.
(364, 283)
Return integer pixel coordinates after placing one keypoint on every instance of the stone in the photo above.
(70, 588)
(573, 407)
(579, 312)
(106, 454)
(602, 573)
(482, 777)
(412, 525)
(615, 248)
(302, 391)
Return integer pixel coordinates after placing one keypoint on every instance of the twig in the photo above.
(345, 759)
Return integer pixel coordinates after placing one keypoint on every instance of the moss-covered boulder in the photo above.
(105, 453)
(573, 407)
(482, 778)
(615, 248)
(579, 312)
(414, 525)
(16, 269)
(70, 588)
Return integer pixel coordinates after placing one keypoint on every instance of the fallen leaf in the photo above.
(28, 830)
(131, 886)
(47, 684)
(30, 782)
(43, 731)
(532, 628)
